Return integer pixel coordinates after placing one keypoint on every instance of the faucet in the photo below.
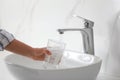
(87, 34)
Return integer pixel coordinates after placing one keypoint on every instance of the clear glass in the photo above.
(56, 48)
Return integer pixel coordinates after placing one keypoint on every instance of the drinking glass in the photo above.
(56, 48)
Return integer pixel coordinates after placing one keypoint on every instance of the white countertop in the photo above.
(4, 73)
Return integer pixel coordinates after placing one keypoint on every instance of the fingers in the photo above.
(47, 51)
(41, 58)
(40, 53)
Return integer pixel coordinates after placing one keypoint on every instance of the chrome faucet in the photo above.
(87, 34)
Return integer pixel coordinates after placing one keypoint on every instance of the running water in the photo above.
(60, 37)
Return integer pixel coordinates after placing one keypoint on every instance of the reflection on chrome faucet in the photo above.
(87, 34)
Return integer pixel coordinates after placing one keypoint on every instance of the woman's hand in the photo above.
(40, 53)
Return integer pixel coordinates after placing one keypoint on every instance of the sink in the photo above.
(73, 66)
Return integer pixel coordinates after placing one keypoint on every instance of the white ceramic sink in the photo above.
(73, 66)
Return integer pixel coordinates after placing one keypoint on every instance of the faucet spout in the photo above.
(87, 34)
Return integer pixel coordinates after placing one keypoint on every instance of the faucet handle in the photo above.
(88, 23)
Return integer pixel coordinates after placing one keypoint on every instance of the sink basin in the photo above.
(73, 66)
